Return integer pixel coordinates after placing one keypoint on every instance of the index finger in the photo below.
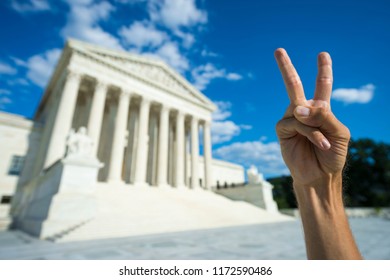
(290, 76)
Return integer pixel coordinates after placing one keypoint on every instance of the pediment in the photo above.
(151, 72)
(148, 69)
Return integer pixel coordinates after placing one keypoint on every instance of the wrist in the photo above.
(321, 196)
(325, 224)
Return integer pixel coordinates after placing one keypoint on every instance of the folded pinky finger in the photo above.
(314, 135)
(290, 127)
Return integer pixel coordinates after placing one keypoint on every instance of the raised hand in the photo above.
(314, 143)
(314, 146)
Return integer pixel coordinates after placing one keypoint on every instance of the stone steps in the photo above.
(5, 224)
(131, 211)
(5, 220)
(4, 210)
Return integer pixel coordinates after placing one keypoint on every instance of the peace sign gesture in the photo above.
(314, 146)
(314, 143)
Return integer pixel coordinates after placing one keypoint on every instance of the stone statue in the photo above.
(79, 144)
(254, 177)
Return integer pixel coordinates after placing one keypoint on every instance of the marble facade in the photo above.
(142, 117)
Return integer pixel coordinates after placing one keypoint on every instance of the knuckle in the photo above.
(316, 118)
(279, 125)
(293, 80)
(322, 111)
(283, 125)
(325, 80)
(346, 132)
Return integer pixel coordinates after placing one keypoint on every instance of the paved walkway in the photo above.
(265, 241)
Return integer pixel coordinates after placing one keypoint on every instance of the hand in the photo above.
(314, 146)
(314, 143)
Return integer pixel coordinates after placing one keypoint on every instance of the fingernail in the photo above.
(325, 144)
(302, 111)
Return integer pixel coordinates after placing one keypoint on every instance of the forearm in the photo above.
(325, 224)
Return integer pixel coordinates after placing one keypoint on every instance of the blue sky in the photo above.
(225, 48)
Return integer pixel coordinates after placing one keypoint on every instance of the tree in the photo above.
(367, 180)
(366, 177)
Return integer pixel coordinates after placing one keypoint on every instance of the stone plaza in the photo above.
(273, 241)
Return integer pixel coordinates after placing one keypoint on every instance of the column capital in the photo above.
(101, 85)
(145, 101)
(206, 123)
(180, 113)
(124, 94)
(73, 75)
(165, 108)
(194, 119)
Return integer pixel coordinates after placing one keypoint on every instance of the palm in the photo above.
(307, 162)
(313, 143)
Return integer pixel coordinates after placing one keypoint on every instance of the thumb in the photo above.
(313, 115)
(317, 113)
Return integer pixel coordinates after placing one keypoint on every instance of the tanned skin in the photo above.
(314, 145)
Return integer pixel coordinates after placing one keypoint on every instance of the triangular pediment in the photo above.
(152, 70)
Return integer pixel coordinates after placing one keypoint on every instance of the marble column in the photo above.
(142, 151)
(118, 142)
(162, 167)
(179, 160)
(96, 115)
(194, 153)
(63, 119)
(207, 155)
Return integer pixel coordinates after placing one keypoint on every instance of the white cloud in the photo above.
(18, 61)
(170, 53)
(83, 23)
(265, 156)
(7, 69)
(223, 131)
(363, 94)
(4, 101)
(233, 76)
(246, 126)
(222, 112)
(175, 14)
(204, 74)
(30, 5)
(40, 67)
(132, 2)
(18, 81)
(206, 53)
(4, 91)
(142, 34)
(187, 39)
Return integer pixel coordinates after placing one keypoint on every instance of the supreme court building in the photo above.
(146, 124)
(140, 115)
